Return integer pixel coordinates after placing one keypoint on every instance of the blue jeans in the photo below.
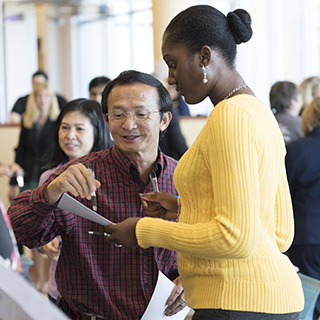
(219, 314)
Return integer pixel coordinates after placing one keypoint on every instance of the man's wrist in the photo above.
(52, 193)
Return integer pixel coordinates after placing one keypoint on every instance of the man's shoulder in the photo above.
(23, 98)
(287, 118)
(98, 156)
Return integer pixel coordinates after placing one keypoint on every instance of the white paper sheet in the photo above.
(158, 300)
(19, 300)
(72, 205)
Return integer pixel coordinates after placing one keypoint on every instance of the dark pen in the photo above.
(93, 194)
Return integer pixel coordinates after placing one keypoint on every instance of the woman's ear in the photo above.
(167, 116)
(205, 55)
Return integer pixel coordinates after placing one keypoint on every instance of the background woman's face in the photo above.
(76, 135)
(43, 100)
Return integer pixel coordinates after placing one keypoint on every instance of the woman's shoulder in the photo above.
(238, 105)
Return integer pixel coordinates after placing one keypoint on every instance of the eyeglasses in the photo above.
(136, 115)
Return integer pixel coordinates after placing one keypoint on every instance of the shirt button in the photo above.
(146, 285)
(145, 253)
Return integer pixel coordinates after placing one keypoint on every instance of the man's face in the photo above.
(132, 137)
(96, 93)
(38, 79)
(296, 104)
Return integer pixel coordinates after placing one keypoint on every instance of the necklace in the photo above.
(243, 86)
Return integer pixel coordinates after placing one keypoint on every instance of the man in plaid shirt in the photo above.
(96, 280)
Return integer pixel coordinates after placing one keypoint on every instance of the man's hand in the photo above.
(123, 233)
(52, 249)
(176, 301)
(77, 180)
(160, 205)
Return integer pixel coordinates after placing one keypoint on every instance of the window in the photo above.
(110, 42)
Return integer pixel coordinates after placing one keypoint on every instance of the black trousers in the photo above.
(307, 259)
(219, 314)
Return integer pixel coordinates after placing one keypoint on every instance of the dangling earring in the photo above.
(204, 80)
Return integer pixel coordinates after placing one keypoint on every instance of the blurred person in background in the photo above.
(310, 89)
(35, 144)
(20, 105)
(303, 171)
(96, 87)
(286, 102)
(36, 135)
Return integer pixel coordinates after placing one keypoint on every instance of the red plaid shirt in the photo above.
(94, 277)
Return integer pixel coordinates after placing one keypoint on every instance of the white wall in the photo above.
(285, 43)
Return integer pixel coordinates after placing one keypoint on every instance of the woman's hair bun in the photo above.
(240, 24)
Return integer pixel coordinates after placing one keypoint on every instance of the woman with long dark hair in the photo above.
(80, 129)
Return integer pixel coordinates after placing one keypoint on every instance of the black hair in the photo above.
(98, 81)
(132, 77)
(90, 109)
(281, 93)
(205, 25)
(40, 73)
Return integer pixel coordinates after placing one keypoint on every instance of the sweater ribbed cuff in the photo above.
(153, 232)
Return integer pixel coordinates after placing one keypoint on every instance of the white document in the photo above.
(158, 300)
(72, 205)
(19, 300)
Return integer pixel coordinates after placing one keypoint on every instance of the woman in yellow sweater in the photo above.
(235, 210)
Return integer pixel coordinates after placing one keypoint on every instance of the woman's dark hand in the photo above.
(123, 233)
(160, 205)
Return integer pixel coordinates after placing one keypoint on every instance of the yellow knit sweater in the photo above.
(236, 216)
